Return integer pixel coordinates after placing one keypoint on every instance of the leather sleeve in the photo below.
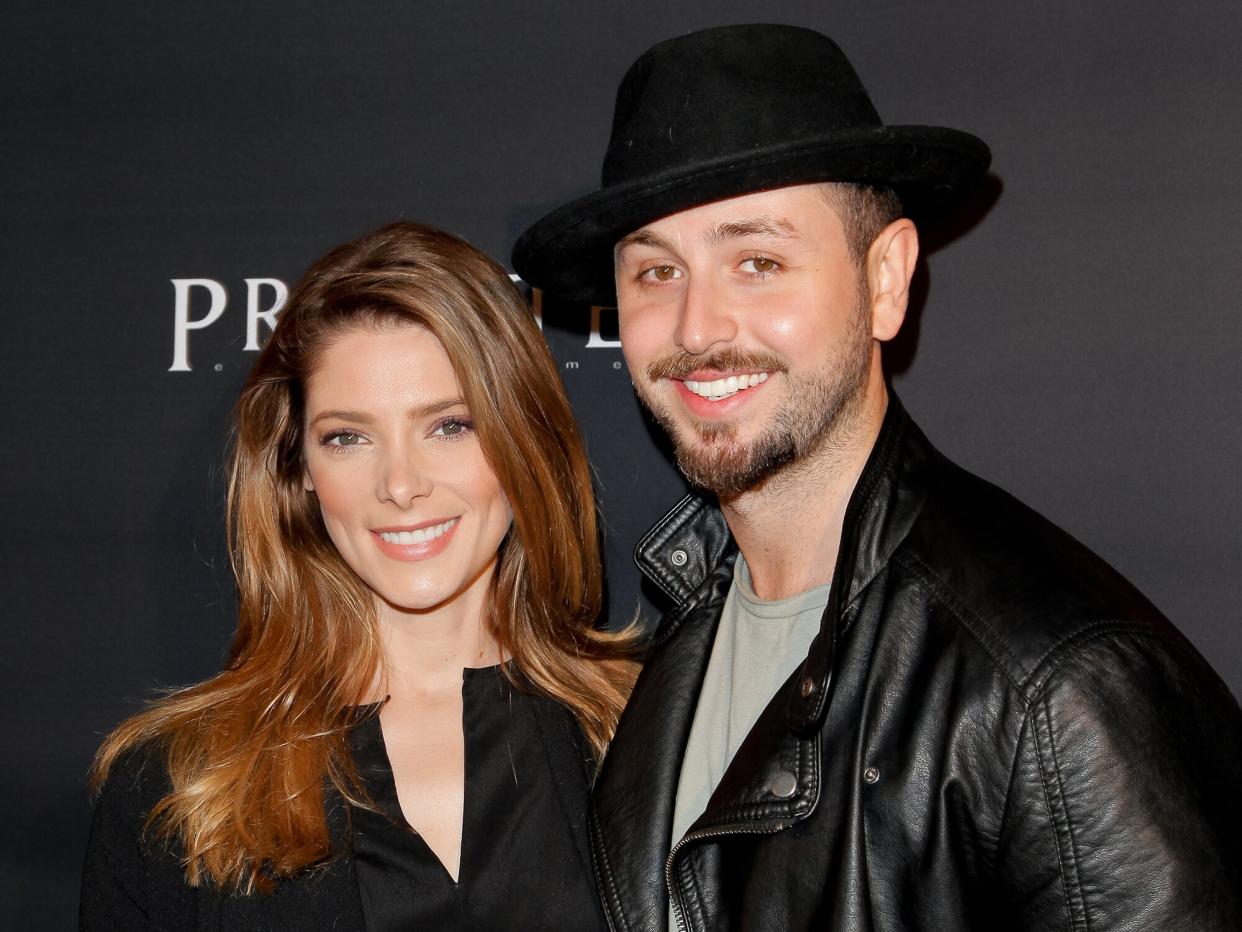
(1123, 809)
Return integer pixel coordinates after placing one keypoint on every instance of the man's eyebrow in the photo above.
(642, 238)
(771, 227)
(361, 417)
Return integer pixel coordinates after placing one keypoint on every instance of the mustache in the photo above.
(682, 364)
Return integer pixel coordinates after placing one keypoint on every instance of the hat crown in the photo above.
(716, 93)
(726, 112)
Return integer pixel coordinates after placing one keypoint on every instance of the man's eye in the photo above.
(662, 273)
(760, 265)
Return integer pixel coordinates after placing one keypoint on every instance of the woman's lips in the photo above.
(416, 543)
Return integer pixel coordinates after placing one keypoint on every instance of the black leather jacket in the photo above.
(993, 731)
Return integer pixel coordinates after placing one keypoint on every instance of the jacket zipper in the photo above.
(674, 892)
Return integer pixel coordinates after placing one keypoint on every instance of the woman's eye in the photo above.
(342, 438)
(453, 427)
(760, 265)
(661, 273)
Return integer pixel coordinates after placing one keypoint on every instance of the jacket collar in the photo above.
(690, 542)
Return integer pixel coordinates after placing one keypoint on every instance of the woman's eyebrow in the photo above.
(338, 414)
(362, 417)
(435, 407)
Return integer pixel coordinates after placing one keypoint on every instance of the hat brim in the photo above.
(569, 252)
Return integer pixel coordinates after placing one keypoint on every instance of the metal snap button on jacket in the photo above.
(679, 557)
(784, 785)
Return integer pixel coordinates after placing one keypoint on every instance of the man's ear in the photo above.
(890, 266)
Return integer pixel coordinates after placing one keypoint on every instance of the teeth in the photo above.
(421, 536)
(719, 389)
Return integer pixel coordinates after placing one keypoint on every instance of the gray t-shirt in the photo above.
(758, 645)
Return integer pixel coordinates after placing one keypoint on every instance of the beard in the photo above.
(815, 415)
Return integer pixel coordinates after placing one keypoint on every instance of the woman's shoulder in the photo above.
(130, 870)
(136, 781)
(134, 876)
(121, 827)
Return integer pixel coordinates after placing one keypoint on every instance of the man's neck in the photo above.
(789, 529)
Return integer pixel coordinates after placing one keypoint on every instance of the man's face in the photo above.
(747, 331)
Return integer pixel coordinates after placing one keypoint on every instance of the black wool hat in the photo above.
(730, 111)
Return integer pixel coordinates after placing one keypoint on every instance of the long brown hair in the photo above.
(249, 751)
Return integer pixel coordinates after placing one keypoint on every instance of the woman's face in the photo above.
(393, 457)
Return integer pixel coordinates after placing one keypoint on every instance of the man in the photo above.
(889, 696)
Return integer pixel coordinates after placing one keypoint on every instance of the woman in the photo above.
(415, 690)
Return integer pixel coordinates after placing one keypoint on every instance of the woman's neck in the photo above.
(425, 651)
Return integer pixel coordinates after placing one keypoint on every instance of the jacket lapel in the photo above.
(747, 799)
(633, 813)
(882, 508)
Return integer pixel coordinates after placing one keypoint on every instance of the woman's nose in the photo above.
(403, 480)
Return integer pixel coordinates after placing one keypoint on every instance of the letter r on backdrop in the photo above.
(254, 315)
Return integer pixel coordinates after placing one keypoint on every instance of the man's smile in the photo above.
(716, 389)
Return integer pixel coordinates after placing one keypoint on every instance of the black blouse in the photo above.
(520, 865)
(525, 860)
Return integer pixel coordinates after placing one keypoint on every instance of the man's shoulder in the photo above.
(1026, 589)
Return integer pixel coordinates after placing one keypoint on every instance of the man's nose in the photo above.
(705, 322)
(402, 479)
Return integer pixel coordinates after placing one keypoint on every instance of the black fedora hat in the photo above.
(729, 111)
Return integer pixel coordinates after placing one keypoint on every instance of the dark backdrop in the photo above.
(1077, 341)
